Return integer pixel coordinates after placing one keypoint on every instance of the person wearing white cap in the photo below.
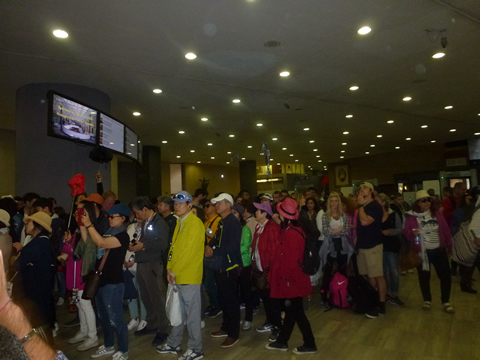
(226, 245)
(427, 230)
(370, 245)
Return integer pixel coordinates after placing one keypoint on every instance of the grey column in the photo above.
(149, 180)
(248, 176)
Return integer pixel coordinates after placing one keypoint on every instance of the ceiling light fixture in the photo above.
(178, 156)
(345, 133)
(366, 152)
(353, 88)
(213, 157)
(407, 98)
(259, 124)
(228, 162)
(249, 146)
(342, 151)
(62, 34)
(317, 156)
(372, 145)
(341, 157)
(379, 136)
(408, 139)
(284, 148)
(278, 164)
(364, 30)
(231, 135)
(448, 107)
(199, 162)
(136, 113)
(236, 101)
(306, 129)
(274, 139)
(243, 158)
(296, 160)
(438, 55)
(315, 149)
(229, 152)
(311, 141)
(291, 154)
(164, 141)
(453, 130)
(190, 56)
(344, 144)
(192, 151)
(157, 91)
(349, 116)
(204, 119)
(319, 160)
(284, 73)
(209, 144)
(397, 147)
(181, 132)
(477, 133)
(433, 141)
(424, 126)
(390, 122)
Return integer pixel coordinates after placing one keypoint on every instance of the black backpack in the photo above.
(311, 257)
(363, 296)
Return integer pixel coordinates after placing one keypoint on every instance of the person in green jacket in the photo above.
(244, 278)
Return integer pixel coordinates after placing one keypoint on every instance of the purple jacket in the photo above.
(443, 230)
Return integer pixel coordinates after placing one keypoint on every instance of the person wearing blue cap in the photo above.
(112, 247)
(185, 270)
(150, 246)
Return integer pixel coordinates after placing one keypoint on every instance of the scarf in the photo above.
(423, 251)
(111, 232)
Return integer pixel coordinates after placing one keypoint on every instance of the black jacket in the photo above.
(227, 242)
(155, 238)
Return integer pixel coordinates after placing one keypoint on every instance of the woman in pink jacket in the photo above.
(426, 229)
(288, 283)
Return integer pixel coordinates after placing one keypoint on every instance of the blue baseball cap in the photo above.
(182, 197)
(120, 209)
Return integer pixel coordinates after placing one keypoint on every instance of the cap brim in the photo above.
(180, 200)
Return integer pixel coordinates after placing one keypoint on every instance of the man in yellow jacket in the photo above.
(185, 270)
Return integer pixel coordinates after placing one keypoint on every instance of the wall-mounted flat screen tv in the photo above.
(111, 133)
(131, 143)
(70, 119)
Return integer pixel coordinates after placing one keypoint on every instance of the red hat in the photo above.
(288, 209)
(96, 198)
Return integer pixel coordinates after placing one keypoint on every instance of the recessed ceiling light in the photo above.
(379, 136)
(390, 122)
(209, 144)
(236, 101)
(190, 56)
(199, 162)
(204, 119)
(315, 149)
(213, 157)
(278, 163)
(136, 113)
(408, 139)
(349, 116)
(164, 141)
(296, 160)
(372, 145)
(364, 30)
(344, 143)
(317, 156)
(231, 135)
(424, 126)
(448, 107)
(433, 141)
(228, 162)
(407, 98)
(353, 88)
(306, 129)
(311, 141)
(243, 158)
(284, 148)
(274, 139)
(157, 91)
(477, 133)
(132, 144)
(291, 154)
(284, 73)
(453, 130)
(341, 157)
(342, 151)
(181, 132)
(397, 147)
(259, 124)
(345, 133)
(60, 34)
(249, 146)
(366, 152)
(438, 55)
(229, 152)
(271, 159)
(319, 160)
(178, 156)
(192, 151)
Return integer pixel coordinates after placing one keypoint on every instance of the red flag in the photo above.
(325, 180)
(77, 183)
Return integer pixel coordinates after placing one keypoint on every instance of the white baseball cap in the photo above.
(223, 196)
(4, 217)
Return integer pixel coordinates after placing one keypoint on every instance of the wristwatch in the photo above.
(30, 335)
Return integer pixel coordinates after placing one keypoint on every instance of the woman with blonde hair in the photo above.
(335, 248)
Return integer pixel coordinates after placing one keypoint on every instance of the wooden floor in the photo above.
(404, 333)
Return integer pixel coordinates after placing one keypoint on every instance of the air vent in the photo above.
(272, 44)
(457, 162)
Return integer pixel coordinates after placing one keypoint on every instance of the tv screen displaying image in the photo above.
(131, 143)
(72, 120)
(112, 133)
(474, 149)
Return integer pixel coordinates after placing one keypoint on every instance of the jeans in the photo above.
(391, 271)
(109, 302)
(133, 304)
(190, 299)
(294, 313)
(211, 288)
(61, 283)
(88, 323)
(246, 292)
(228, 293)
(439, 259)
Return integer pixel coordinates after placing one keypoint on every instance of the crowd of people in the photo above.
(223, 254)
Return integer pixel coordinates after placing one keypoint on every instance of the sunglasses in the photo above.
(208, 205)
(179, 196)
(111, 217)
(424, 200)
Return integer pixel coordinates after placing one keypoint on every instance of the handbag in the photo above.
(173, 308)
(259, 278)
(409, 259)
(92, 283)
(130, 290)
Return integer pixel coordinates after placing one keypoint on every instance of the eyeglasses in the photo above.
(424, 200)
(179, 196)
(111, 217)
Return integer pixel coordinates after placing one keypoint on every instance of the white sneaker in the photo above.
(247, 325)
(120, 356)
(202, 325)
(60, 301)
(191, 355)
(102, 351)
(142, 325)
(79, 337)
(132, 324)
(88, 344)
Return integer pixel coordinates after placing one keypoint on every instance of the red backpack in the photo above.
(338, 291)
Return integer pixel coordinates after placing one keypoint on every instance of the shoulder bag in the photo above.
(92, 283)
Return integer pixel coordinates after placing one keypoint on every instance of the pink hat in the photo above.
(288, 209)
(265, 206)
